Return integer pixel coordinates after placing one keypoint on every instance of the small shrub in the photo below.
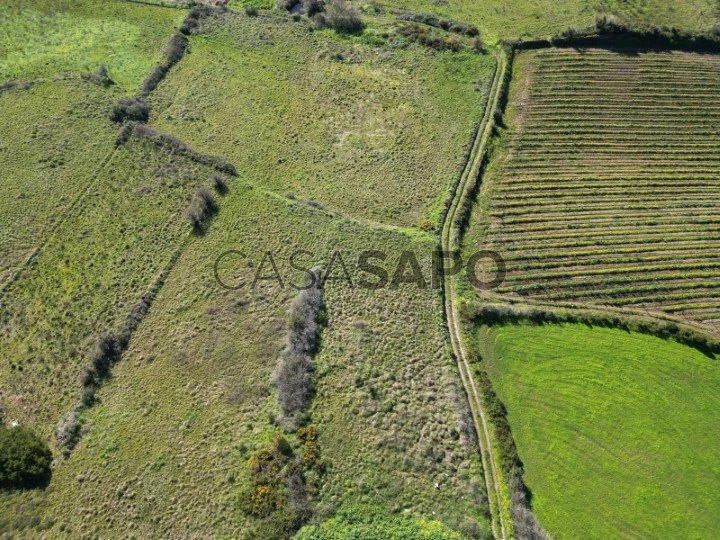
(219, 183)
(311, 7)
(343, 17)
(100, 76)
(202, 205)
(192, 21)
(251, 11)
(427, 225)
(24, 459)
(130, 109)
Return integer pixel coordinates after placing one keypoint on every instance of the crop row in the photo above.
(610, 192)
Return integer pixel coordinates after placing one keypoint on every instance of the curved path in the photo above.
(449, 231)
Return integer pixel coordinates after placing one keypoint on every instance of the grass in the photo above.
(42, 38)
(56, 137)
(192, 398)
(642, 408)
(498, 19)
(372, 131)
(582, 165)
(168, 440)
(91, 270)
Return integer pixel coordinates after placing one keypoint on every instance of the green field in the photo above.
(601, 192)
(617, 431)
(365, 128)
(604, 188)
(500, 19)
(60, 136)
(192, 398)
(44, 38)
(91, 270)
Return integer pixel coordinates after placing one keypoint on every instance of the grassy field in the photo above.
(499, 19)
(192, 398)
(617, 431)
(368, 129)
(58, 140)
(91, 270)
(169, 440)
(604, 188)
(42, 38)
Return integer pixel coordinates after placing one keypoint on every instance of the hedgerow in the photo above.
(497, 314)
(449, 25)
(293, 375)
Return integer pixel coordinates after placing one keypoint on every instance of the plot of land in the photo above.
(192, 398)
(617, 431)
(370, 130)
(90, 272)
(605, 190)
(500, 19)
(56, 138)
(43, 38)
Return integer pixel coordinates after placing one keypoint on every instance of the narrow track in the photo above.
(468, 177)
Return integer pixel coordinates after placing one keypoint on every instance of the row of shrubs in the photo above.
(136, 109)
(609, 31)
(293, 375)
(425, 36)
(496, 314)
(449, 25)
(15, 85)
(176, 47)
(107, 349)
(173, 145)
(525, 524)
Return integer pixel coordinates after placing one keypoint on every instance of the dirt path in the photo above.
(468, 177)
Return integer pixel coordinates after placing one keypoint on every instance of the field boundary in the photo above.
(448, 244)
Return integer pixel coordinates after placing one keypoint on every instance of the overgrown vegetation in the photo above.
(101, 76)
(176, 47)
(425, 36)
(278, 495)
(293, 377)
(130, 110)
(202, 205)
(449, 25)
(342, 16)
(25, 459)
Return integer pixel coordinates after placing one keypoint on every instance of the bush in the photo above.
(311, 7)
(192, 21)
(202, 205)
(219, 183)
(100, 76)
(293, 376)
(343, 17)
(449, 25)
(251, 11)
(24, 459)
(130, 109)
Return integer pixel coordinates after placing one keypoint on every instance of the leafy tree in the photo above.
(24, 458)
